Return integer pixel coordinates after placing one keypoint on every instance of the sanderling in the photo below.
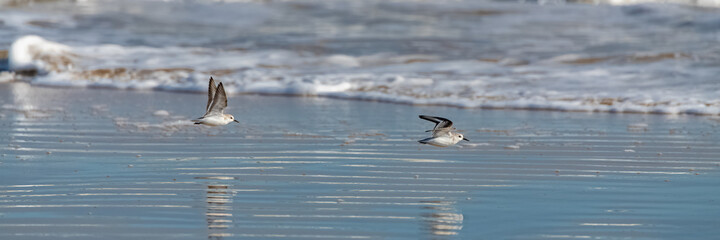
(442, 135)
(214, 111)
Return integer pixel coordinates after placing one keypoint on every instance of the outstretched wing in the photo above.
(440, 122)
(443, 126)
(219, 102)
(211, 94)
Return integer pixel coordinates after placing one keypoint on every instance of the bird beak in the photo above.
(236, 121)
(466, 139)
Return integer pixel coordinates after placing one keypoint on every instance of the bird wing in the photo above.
(442, 132)
(211, 94)
(443, 126)
(440, 122)
(219, 102)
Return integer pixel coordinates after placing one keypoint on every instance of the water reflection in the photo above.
(444, 220)
(19, 108)
(218, 213)
(20, 102)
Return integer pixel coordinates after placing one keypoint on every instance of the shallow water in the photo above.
(647, 58)
(89, 164)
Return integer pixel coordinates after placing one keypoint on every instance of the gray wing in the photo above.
(443, 126)
(211, 94)
(219, 102)
(440, 122)
(442, 132)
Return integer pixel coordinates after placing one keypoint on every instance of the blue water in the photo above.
(332, 171)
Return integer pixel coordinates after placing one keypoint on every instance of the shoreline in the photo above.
(331, 96)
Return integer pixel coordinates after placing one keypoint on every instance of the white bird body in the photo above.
(442, 135)
(214, 120)
(442, 141)
(215, 109)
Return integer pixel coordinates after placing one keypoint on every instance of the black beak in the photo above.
(466, 139)
(236, 121)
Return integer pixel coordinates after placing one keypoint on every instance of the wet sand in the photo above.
(107, 164)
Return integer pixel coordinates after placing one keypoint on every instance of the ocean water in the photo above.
(607, 56)
(99, 164)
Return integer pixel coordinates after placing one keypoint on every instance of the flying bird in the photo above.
(442, 135)
(215, 108)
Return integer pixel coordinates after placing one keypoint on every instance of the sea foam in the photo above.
(549, 85)
(484, 54)
(35, 53)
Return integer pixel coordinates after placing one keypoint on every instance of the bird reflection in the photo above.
(218, 212)
(444, 220)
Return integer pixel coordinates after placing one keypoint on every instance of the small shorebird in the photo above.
(214, 111)
(442, 135)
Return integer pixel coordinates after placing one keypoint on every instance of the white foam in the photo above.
(161, 113)
(34, 53)
(518, 57)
